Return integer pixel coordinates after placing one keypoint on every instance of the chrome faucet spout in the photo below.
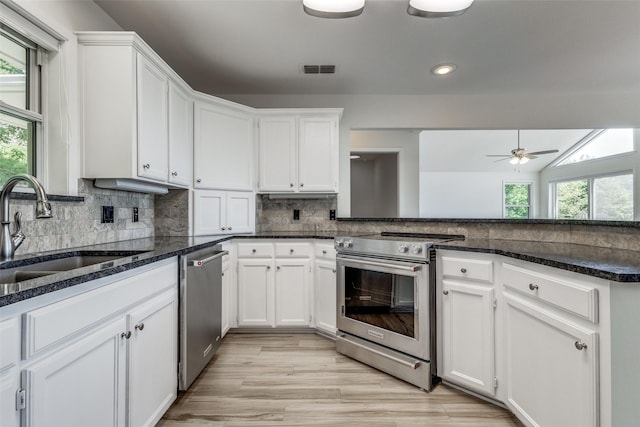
(9, 242)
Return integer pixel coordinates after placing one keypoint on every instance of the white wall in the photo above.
(63, 145)
(403, 142)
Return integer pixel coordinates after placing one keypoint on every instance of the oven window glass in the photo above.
(381, 299)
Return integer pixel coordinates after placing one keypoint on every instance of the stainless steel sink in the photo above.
(53, 266)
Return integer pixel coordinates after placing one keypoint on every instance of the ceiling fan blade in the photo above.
(530, 156)
(498, 155)
(501, 160)
(543, 152)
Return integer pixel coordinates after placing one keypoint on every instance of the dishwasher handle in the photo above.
(201, 262)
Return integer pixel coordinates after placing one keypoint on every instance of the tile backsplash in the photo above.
(277, 214)
(79, 223)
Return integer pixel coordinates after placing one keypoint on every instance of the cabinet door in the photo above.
(180, 136)
(82, 385)
(255, 292)
(153, 129)
(223, 148)
(468, 325)
(318, 154)
(277, 154)
(325, 300)
(240, 212)
(153, 350)
(292, 292)
(551, 377)
(209, 213)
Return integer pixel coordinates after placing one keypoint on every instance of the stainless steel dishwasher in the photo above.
(200, 311)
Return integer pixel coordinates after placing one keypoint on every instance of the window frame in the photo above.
(529, 205)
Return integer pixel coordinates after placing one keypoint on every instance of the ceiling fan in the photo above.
(520, 156)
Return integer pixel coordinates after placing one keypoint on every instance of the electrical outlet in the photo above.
(107, 214)
(296, 214)
(135, 215)
(332, 214)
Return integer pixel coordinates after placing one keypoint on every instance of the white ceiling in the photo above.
(500, 46)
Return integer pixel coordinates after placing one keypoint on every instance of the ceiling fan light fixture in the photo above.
(333, 8)
(438, 8)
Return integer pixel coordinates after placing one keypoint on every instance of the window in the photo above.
(602, 198)
(603, 143)
(20, 118)
(517, 200)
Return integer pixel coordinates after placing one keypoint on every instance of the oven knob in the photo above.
(348, 243)
(403, 249)
(416, 249)
(339, 243)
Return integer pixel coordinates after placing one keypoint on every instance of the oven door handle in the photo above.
(412, 268)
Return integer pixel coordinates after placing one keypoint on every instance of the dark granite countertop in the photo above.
(611, 264)
(633, 224)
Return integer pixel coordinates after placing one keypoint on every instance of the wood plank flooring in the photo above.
(300, 380)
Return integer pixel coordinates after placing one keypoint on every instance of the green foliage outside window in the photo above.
(573, 199)
(14, 145)
(516, 201)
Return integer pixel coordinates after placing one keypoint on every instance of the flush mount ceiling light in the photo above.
(443, 69)
(438, 8)
(333, 8)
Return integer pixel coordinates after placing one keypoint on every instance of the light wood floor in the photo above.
(300, 380)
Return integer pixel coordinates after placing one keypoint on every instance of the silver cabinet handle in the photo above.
(580, 345)
(139, 326)
(445, 292)
(415, 364)
(174, 173)
(533, 287)
(126, 335)
(463, 270)
(146, 166)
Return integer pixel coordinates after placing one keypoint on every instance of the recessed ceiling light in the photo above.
(438, 8)
(443, 69)
(333, 8)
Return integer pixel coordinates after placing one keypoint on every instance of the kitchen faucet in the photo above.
(10, 242)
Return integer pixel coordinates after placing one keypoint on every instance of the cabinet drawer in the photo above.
(481, 270)
(297, 249)
(325, 250)
(48, 326)
(572, 296)
(10, 348)
(255, 250)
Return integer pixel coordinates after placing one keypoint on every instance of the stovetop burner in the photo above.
(391, 244)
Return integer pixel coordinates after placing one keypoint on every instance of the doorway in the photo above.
(374, 184)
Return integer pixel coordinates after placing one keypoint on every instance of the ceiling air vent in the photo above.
(319, 69)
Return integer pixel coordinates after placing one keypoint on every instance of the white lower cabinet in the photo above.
(255, 292)
(468, 327)
(153, 353)
(552, 367)
(325, 287)
(292, 292)
(82, 385)
(226, 295)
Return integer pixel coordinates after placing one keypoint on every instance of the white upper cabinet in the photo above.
(180, 135)
(127, 116)
(223, 145)
(223, 212)
(298, 151)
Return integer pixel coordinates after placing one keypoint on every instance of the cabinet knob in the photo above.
(334, 270)
(463, 270)
(140, 326)
(291, 185)
(174, 173)
(223, 228)
(229, 228)
(445, 292)
(290, 251)
(302, 184)
(253, 251)
(268, 267)
(126, 335)
(278, 268)
(146, 166)
(324, 252)
(198, 180)
(533, 287)
(580, 345)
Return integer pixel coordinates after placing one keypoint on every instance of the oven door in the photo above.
(386, 302)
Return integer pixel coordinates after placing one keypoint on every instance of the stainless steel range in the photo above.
(385, 303)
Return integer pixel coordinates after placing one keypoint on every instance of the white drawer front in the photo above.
(296, 249)
(255, 250)
(481, 270)
(46, 326)
(325, 250)
(572, 296)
